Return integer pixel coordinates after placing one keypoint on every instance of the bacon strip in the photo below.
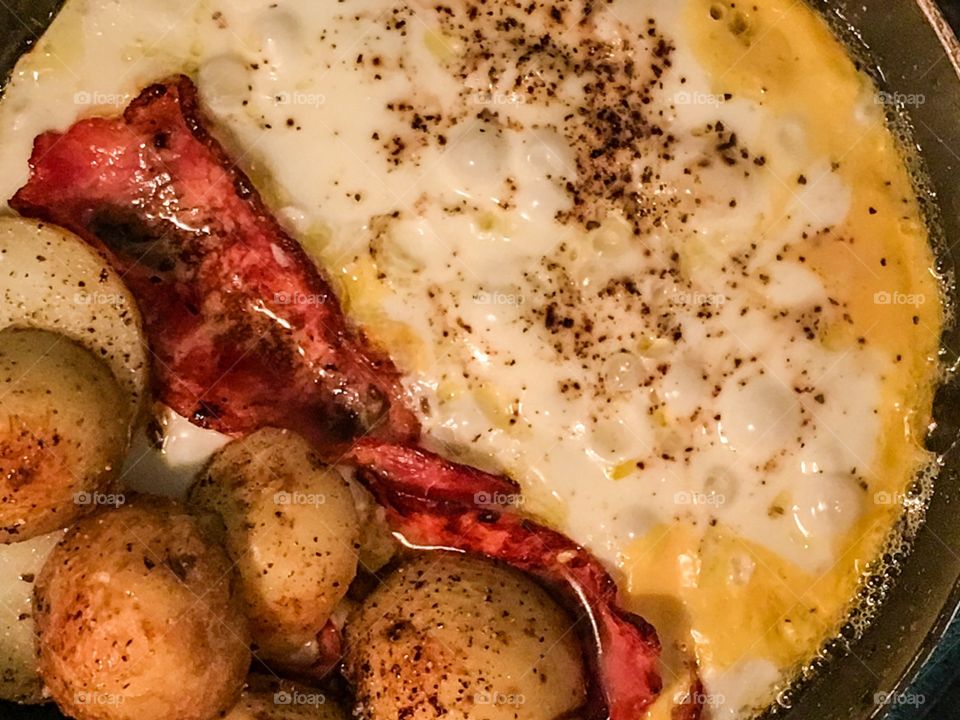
(245, 331)
(625, 649)
(419, 473)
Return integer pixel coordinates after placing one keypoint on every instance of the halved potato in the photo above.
(266, 698)
(461, 637)
(138, 618)
(52, 280)
(64, 432)
(20, 563)
(292, 528)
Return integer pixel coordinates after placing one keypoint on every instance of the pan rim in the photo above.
(945, 34)
(950, 612)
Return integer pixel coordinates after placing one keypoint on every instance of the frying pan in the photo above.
(910, 50)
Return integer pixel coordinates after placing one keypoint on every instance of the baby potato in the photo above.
(20, 563)
(462, 637)
(292, 529)
(64, 432)
(266, 698)
(52, 280)
(138, 618)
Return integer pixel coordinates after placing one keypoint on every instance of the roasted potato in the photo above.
(138, 618)
(20, 564)
(266, 698)
(291, 527)
(63, 432)
(52, 280)
(461, 637)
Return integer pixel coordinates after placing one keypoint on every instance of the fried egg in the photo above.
(662, 262)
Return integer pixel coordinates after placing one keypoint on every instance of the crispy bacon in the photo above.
(245, 331)
(625, 649)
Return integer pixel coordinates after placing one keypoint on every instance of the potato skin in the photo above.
(266, 698)
(461, 637)
(64, 432)
(138, 618)
(292, 528)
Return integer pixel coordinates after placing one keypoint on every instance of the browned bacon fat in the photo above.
(625, 648)
(244, 330)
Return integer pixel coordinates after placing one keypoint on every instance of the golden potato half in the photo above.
(461, 637)
(266, 698)
(64, 432)
(50, 279)
(138, 618)
(293, 530)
